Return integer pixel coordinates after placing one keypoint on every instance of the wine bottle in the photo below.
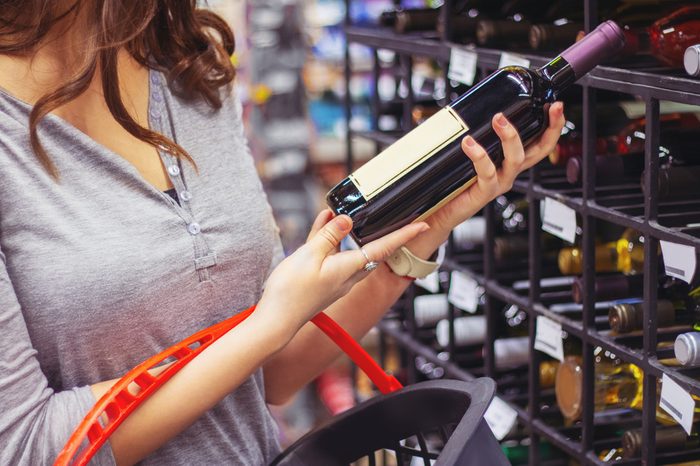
(624, 255)
(502, 33)
(616, 385)
(511, 217)
(668, 438)
(668, 38)
(553, 36)
(609, 287)
(628, 317)
(429, 309)
(691, 60)
(410, 19)
(676, 182)
(427, 167)
(687, 348)
(609, 169)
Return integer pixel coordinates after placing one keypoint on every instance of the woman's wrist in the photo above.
(270, 319)
(426, 244)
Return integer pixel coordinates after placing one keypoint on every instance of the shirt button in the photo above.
(154, 78)
(194, 228)
(185, 195)
(174, 170)
(157, 97)
(155, 114)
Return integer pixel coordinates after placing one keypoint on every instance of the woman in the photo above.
(131, 216)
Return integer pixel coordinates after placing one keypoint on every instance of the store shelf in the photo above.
(649, 84)
(408, 44)
(623, 204)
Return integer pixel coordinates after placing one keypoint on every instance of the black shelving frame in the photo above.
(589, 204)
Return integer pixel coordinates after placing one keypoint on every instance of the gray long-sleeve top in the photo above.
(102, 270)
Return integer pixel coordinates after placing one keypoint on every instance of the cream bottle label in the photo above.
(412, 149)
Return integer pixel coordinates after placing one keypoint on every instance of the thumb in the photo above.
(328, 238)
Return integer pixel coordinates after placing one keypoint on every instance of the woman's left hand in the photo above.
(492, 182)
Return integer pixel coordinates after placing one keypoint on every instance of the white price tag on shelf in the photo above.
(559, 220)
(462, 66)
(464, 292)
(679, 260)
(548, 338)
(677, 402)
(500, 417)
(508, 59)
(430, 282)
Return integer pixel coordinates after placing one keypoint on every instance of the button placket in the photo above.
(204, 257)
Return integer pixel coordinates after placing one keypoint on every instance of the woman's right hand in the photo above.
(316, 275)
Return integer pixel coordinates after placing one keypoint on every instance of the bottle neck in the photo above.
(559, 73)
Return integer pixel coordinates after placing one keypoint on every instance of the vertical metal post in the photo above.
(651, 267)
(374, 102)
(348, 98)
(535, 272)
(409, 102)
(588, 246)
(446, 18)
(589, 270)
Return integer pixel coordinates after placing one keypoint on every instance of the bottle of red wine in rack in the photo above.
(427, 167)
(668, 38)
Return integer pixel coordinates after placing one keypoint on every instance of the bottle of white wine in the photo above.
(427, 167)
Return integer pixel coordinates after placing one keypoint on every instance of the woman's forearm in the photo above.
(199, 386)
(311, 351)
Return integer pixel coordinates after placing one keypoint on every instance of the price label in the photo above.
(464, 292)
(500, 417)
(548, 338)
(679, 260)
(462, 66)
(559, 220)
(510, 59)
(677, 402)
(430, 282)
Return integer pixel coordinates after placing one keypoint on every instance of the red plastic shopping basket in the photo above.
(440, 422)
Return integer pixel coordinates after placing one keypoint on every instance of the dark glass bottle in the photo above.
(610, 287)
(678, 137)
(668, 438)
(609, 169)
(628, 317)
(410, 19)
(677, 182)
(553, 36)
(427, 167)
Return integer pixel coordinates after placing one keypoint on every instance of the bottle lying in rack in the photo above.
(668, 38)
(677, 182)
(610, 287)
(411, 19)
(691, 60)
(678, 136)
(629, 317)
(427, 167)
(518, 17)
(678, 132)
(624, 255)
(617, 385)
(668, 438)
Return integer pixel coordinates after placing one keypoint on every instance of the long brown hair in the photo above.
(190, 45)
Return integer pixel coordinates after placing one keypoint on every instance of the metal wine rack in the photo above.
(592, 204)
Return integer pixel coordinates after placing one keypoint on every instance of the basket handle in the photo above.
(118, 403)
